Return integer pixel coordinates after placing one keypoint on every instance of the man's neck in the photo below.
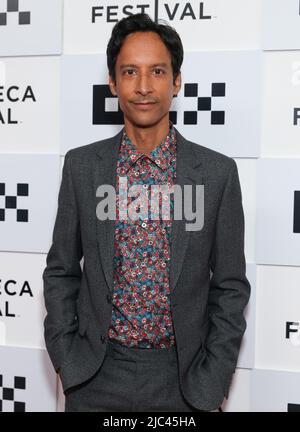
(147, 139)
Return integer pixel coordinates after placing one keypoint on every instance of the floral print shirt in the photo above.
(141, 314)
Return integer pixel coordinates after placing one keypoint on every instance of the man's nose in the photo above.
(144, 84)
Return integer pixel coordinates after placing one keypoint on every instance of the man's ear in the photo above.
(177, 85)
(112, 85)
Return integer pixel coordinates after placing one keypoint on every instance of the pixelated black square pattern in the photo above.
(12, 5)
(24, 18)
(10, 202)
(22, 215)
(191, 90)
(22, 189)
(3, 19)
(217, 117)
(204, 103)
(190, 117)
(20, 382)
(19, 406)
(218, 89)
(101, 116)
(8, 393)
(296, 212)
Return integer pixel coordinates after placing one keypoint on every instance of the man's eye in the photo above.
(129, 71)
(158, 70)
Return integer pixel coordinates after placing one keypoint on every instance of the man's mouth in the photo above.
(144, 105)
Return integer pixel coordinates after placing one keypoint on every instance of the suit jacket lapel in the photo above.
(188, 171)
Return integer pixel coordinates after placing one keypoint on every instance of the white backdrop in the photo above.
(242, 54)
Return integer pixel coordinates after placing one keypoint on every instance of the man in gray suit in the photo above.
(144, 314)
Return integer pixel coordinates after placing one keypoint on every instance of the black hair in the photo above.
(142, 22)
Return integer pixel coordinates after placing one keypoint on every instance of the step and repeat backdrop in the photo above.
(243, 57)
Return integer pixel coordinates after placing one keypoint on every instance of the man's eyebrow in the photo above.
(151, 66)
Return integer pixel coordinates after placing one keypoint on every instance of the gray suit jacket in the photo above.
(208, 286)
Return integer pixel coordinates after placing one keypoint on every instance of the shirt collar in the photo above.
(161, 155)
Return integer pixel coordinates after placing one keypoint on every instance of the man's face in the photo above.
(144, 79)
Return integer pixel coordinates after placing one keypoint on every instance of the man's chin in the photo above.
(144, 121)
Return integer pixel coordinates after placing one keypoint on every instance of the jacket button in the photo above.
(103, 337)
(108, 298)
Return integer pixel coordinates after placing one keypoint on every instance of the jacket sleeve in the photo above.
(229, 288)
(62, 274)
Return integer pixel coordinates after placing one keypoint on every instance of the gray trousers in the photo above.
(131, 380)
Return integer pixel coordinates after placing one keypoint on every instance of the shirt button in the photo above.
(144, 225)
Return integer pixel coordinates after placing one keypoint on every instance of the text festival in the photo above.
(179, 10)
